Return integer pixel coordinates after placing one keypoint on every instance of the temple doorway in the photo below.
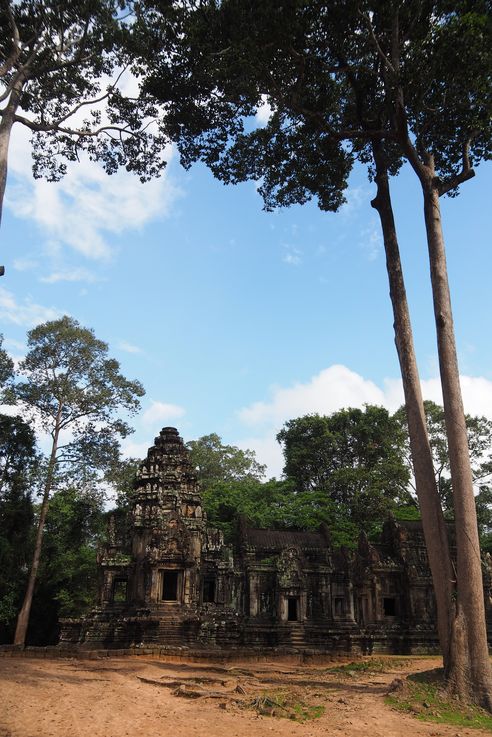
(293, 608)
(170, 581)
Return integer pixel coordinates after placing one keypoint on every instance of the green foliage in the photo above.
(372, 665)
(263, 504)
(479, 431)
(121, 478)
(215, 462)
(336, 79)
(6, 370)
(346, 470)
(67, 581)
(60, 63)
(354, 458)
(424, 696)
(19, 468)
(277, 505)
(72, 385)
(76, 394)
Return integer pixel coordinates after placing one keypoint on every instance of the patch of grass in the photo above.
(423, 696)
(368, 665)
(285, 704)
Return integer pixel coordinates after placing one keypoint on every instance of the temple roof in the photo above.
(281, 539)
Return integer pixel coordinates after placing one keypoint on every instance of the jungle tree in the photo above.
(61, 66)
(19, 476)
(354, 456)
(215, 462)
(378, 82)
(76, 394)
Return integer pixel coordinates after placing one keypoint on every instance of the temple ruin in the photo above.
(169, 581)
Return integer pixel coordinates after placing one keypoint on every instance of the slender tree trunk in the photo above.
(433, 523)
(23, 617)
(6, 123)
(473, 674)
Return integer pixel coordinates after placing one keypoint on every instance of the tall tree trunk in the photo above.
(473, 674)
(23, 617)
(433, 523)
(6, 123)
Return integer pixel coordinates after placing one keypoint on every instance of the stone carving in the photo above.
(284, 589)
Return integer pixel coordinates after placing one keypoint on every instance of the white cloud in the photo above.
(10, 342)
(335, 388)
(128, 347)
(160, 412)
(355, 197)
(71, 275)
(131, 449)
(24, 264)
(87, 205)
(26, 312)
(372, 241)
(331, 389)
(292, 255)
(268, 452)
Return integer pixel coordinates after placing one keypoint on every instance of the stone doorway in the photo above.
(293, 609)
(170, 585)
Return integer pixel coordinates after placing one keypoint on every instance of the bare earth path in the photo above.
(146, 697)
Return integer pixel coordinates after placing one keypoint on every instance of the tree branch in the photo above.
(466, 172)
(380, 51)
(14, 54)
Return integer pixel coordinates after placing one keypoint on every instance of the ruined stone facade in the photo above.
(168, 580)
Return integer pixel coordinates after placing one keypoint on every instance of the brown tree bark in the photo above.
(433, 523)
(6, 124)
(472, 677)
(25, 611)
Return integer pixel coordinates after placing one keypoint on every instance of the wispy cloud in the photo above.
(25, 312)
(16, 344)
(292, 255)
(25, 264)
(355, 198)
(71, 275)
(128, 347)
(372, 241)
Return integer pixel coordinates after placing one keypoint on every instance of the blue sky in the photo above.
(234, 319)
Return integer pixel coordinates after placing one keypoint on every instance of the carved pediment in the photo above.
(289, 569)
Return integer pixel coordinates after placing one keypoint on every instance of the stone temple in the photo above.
(169, 581)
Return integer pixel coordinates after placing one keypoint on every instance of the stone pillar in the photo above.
(349, 598)
(155, 584)
(187, 587)
(253, 595)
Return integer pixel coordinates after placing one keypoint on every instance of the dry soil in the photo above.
(147, 697)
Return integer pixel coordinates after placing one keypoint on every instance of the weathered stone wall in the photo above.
(168, 580)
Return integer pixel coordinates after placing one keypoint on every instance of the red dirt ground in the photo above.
(149, 697)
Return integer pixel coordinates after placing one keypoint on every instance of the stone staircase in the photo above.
(172, 629)
(297, 639)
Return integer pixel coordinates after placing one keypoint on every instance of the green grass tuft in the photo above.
(423, 696)
(368, 665)
(286, 705)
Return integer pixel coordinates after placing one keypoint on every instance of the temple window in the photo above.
(209, 589)
(339, 606)
(389, 606)
(120, 586)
